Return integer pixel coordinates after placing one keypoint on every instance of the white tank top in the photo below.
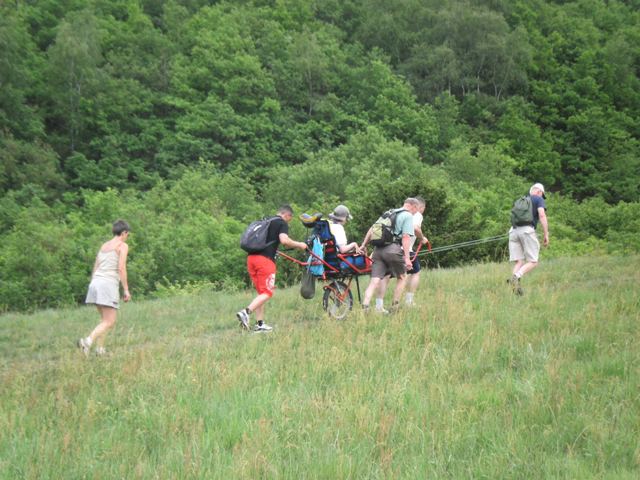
(108, 265)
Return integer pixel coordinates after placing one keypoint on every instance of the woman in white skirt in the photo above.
(109, 270)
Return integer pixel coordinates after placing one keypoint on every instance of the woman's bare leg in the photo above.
(108, 320)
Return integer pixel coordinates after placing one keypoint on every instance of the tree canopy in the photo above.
(203, 114)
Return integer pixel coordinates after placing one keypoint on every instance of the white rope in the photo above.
(469, 243)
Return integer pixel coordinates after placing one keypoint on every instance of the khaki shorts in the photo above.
(523, 244)
(388, 260)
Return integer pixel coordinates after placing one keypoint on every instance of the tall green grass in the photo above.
(475, 383)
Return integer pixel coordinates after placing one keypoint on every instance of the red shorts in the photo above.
(262, 271)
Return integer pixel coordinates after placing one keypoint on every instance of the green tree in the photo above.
(524, 140)
(74, 61)
(18, 63)
(23, 163)
(311, 64)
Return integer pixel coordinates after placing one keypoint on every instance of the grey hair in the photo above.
(412, 201)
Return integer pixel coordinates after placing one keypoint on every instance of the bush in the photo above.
(42, 261)
(184, 232)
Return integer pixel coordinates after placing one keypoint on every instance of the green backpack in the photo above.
(522, 212)
(382, 232)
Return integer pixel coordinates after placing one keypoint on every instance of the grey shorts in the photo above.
(523, 244)
(103, 291)
(388, 260)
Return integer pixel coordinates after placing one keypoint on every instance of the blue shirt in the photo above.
(537, 202)
(404, 224)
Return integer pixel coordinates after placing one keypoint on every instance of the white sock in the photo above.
(409, 298)
(88, 341)
(379, 303)
(518, 274)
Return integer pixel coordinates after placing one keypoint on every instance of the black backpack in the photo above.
(522, 212)
(382, 231)
(254, 238)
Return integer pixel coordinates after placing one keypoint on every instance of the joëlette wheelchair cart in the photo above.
(337, 270)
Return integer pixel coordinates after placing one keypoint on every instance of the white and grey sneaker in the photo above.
(101, 351)
(84, 346)
(243, 318)
(262, 328)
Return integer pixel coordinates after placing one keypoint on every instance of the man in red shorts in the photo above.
(262, 268)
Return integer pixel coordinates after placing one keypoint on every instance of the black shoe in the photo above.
(395, 308)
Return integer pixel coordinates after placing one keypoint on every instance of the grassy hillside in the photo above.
(475, 383)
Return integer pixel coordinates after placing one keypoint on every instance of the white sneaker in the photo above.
(243, 318)
(382, 311)
(84, 346)
(262, 328)
(101, 351)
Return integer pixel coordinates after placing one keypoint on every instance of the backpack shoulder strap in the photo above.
(395, 213)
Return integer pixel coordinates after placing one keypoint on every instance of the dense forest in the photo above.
(189, 118)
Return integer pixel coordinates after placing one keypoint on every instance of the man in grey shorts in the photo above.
(524, 248)
(394, 258)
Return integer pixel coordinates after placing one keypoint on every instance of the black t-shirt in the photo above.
(276, 227)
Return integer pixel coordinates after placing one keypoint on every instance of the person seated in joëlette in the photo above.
(337, 219)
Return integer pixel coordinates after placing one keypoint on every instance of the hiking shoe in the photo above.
(515, 285)
(243, 318)
(262, 328)
(394, 308)
(518, 290)
(84, 346)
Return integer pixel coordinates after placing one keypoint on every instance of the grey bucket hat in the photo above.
(340, 213)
